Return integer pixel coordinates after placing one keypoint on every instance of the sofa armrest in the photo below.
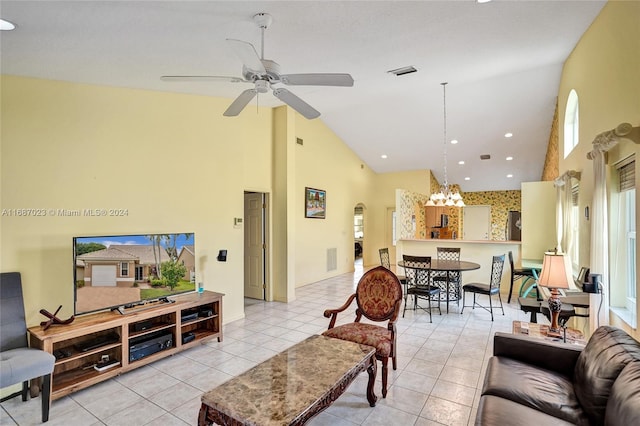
(554, 356)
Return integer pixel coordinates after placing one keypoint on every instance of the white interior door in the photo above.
(476, 223)
(254, 248)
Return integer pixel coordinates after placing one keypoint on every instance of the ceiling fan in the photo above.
(264, 74)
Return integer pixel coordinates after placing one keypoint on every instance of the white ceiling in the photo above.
(502, 60)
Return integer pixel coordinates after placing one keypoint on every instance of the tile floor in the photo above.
(440, 369)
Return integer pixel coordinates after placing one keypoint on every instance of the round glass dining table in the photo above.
(450, 266)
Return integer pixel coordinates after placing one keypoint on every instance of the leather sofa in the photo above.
(531, 381)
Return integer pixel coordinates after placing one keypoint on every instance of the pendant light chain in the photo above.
(444, 102)
(262, 44)
(446, 197)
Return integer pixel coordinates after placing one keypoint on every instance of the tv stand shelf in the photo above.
(116, 334)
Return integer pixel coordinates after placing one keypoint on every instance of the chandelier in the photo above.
(446, 196)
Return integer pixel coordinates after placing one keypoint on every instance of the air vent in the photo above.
(485, 157)
(402, 71)
(332, 259)
(299, 141)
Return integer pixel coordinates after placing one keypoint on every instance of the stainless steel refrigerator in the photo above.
(514, 226)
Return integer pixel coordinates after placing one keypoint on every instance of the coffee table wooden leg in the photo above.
(202, 416)
(372, 370)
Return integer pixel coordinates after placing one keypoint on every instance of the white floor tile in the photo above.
(440, 368)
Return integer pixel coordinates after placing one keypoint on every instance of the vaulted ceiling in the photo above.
(502, 61)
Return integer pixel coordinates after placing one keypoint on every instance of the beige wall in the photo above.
(75, 146)
(325, 162)
(603, 69)
(538, 219)
(384, 197)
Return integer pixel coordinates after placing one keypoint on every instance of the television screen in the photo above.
(121, 270)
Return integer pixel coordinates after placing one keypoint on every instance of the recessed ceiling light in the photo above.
(509, 175)
(467, 178)
(383, 156)
(454, 141)
(508, 135)
(482, 1)
(509, 158)
(461, 162)
(6, 25)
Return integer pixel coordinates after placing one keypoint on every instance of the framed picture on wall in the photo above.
(315, 203)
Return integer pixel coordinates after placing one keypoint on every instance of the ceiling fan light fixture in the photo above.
(264, 74)
(263, 20)
(262, 86)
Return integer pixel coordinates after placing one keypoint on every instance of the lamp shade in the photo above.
(555, 271)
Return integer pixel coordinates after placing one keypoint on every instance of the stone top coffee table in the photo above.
(292, 386)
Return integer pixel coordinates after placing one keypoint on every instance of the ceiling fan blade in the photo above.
(248, 55)
(320, 79)
(296, 103)
(201, 78)
(241, 101)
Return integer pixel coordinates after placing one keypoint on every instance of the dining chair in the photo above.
(18, 362)
(418, 271)
(378, 297)
(386, 262)
(497, 264)
(517, 274)
(440, 277)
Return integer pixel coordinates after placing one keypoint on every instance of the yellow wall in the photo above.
(76, 146)
(324, 162)
(383, 197)
(538, 219)
(603, 69)
(169, 159)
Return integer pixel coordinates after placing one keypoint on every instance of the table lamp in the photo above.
(555, 275)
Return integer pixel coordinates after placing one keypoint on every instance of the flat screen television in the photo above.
(113, 271)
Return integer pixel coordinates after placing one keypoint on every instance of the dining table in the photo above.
(449, 266)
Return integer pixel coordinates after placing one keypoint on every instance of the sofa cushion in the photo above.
(534, 387)
(608, 351)
(623, 407)
(494, 410)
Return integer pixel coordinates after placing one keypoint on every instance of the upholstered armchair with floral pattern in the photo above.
(378, 297)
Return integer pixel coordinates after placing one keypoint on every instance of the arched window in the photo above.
(571, 123)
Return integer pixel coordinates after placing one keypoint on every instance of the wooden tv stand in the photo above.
(74, 366)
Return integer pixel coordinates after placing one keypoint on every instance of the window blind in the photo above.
(627, 174)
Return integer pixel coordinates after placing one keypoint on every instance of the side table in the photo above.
(541, 331)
